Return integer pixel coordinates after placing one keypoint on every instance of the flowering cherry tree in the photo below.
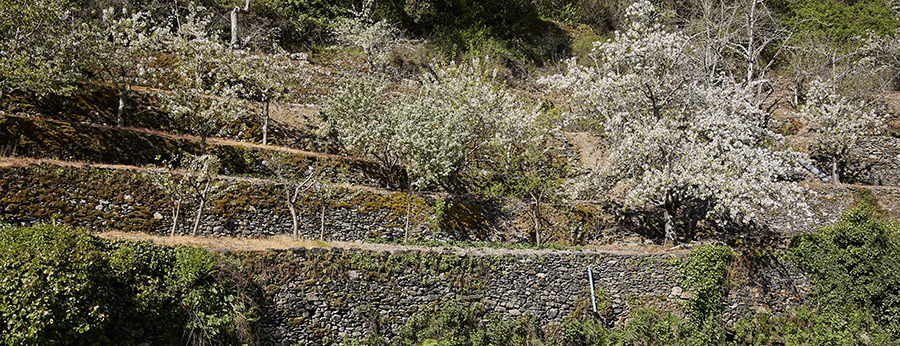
(122, 51)
(437, 131)
(201, 91)
(375, 38)
(199, 174)
(194, 182)
(836, 122)
(172, 185)
(358, 113)
(674, 136)
(266, 77)
(39, 44)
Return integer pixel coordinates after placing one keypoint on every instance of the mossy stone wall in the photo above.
(324, 296)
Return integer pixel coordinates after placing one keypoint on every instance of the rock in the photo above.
(157, 215)
(676, 291)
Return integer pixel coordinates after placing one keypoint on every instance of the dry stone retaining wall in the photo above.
(101, 199)
(321, 295)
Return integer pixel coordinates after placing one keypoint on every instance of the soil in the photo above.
(286, 242)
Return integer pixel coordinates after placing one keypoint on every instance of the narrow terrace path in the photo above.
(287, 242)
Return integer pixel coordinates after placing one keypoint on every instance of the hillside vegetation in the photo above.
(563, 122)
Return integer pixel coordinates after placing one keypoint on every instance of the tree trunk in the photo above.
(293, 210)
(670, 208)
(175, 218)
(537, 219)
(835, 174)
(199, 214)
(120, 113)
(322, 222)
(669, 227)
(750, 46)
(234, 27)
(265, 125)
(408, 206)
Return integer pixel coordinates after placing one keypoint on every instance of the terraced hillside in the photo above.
(415, 176)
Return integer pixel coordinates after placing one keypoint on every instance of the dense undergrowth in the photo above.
(62, 286)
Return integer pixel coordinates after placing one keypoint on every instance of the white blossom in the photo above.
(375, 38)
(674, 136)
(836, 122)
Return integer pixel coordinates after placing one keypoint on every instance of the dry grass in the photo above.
(224, 243)
(287, 242)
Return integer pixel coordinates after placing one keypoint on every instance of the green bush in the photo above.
(653, 327)
(810, 327)
(855, 263)
(457, 323)
(837, 20)
(704, 273)
(53, 289)
(61, 286)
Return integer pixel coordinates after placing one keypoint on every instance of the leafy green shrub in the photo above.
(855, 263)
(457, 323)
(810, 327)
(582, 332)
(213, 311)
(653, 327)
(52, 287)
(60, 286)
(837, 20)
(705, 273)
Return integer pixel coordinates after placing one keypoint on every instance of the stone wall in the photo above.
(874, 160)
(826, 205)
(101, 199)
(319, 295)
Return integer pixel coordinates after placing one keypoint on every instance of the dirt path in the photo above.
(209, 140)
(287, 242)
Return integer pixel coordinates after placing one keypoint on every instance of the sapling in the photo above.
(172, 185)
(293, 183)
(200, 175)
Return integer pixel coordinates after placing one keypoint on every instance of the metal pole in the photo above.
(591, 279)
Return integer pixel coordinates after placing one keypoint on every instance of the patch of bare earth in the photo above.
(588, 146)
(286, 242)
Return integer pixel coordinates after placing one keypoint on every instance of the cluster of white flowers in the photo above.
(374, 38)
(836, 122)
(202, 88)
(438, 131)
(673, 136)
(122, 49)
